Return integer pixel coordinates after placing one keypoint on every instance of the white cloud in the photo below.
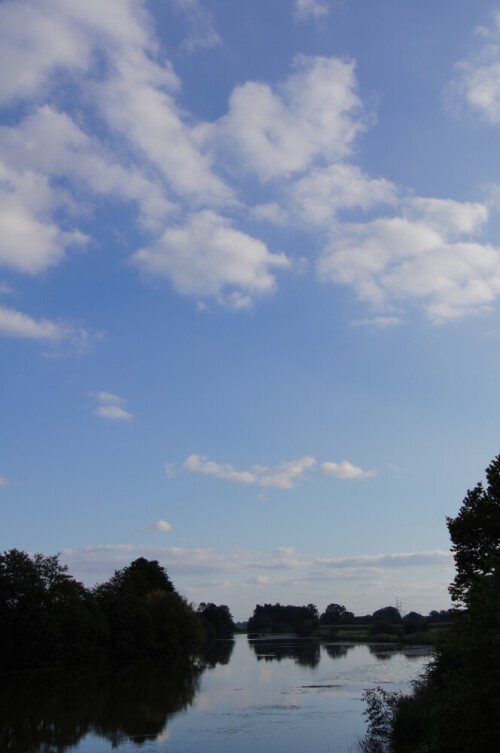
(345, 470)
(425, 257)
(207, 257)
(449, 218)
(45, 45)
(477, 81)
(16, 324)
(314, 115)
(282, 476)
(395, 560)
(225, 472)
(110, 407)
(114, 413)
(161, 526)
(376, 577)
(35, 40)
(29, 241)
(48, 143)
(324, 191)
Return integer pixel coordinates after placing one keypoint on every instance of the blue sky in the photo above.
(249, 287)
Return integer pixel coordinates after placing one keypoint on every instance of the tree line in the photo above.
(47, 617)
(455, 706)
(306, 620)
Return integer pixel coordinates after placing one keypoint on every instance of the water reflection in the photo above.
(336, 651)
(219, 653)
(304, 653)
(385, 651)
(52, 710)
(249, 699)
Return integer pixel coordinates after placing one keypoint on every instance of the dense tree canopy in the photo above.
(277, 618)
(218, 619)
(336, 614)
(47, 617)
(475, 534)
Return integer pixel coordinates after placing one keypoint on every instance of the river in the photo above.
(279, 696)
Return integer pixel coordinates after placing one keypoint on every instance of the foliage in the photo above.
(217, 619)
(475, 534)
(275, 618)
(47, 617)
(456, 706)
(336, 614)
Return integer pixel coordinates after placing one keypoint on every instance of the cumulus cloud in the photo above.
(282, 476)
(110, 406)
(208, 257)
(48, 44)
(428, 256)
(161, 526)
(30, 241)
(324, 191)
(476, 84)
(345, 470)
(48, 143)
(315, 114)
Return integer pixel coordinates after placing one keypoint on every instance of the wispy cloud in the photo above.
(16, 324)
(283, 566)
(427, 256)
(316, 9)
(3, 481)
(161, 526)
(201, 32)
(110, 406)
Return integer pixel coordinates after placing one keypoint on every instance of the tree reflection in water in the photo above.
(303, 652)
(336, 651)
(52, 710)
(219, 653)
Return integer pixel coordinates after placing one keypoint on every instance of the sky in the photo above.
(249, 291)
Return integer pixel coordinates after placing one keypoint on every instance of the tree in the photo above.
(456, 706)
(475, 535)
(336, 614)
(218, 619)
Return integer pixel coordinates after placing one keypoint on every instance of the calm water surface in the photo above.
(280, 696)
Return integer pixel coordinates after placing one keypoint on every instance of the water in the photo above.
(284, 696)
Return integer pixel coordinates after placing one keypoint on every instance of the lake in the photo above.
(286, 696)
